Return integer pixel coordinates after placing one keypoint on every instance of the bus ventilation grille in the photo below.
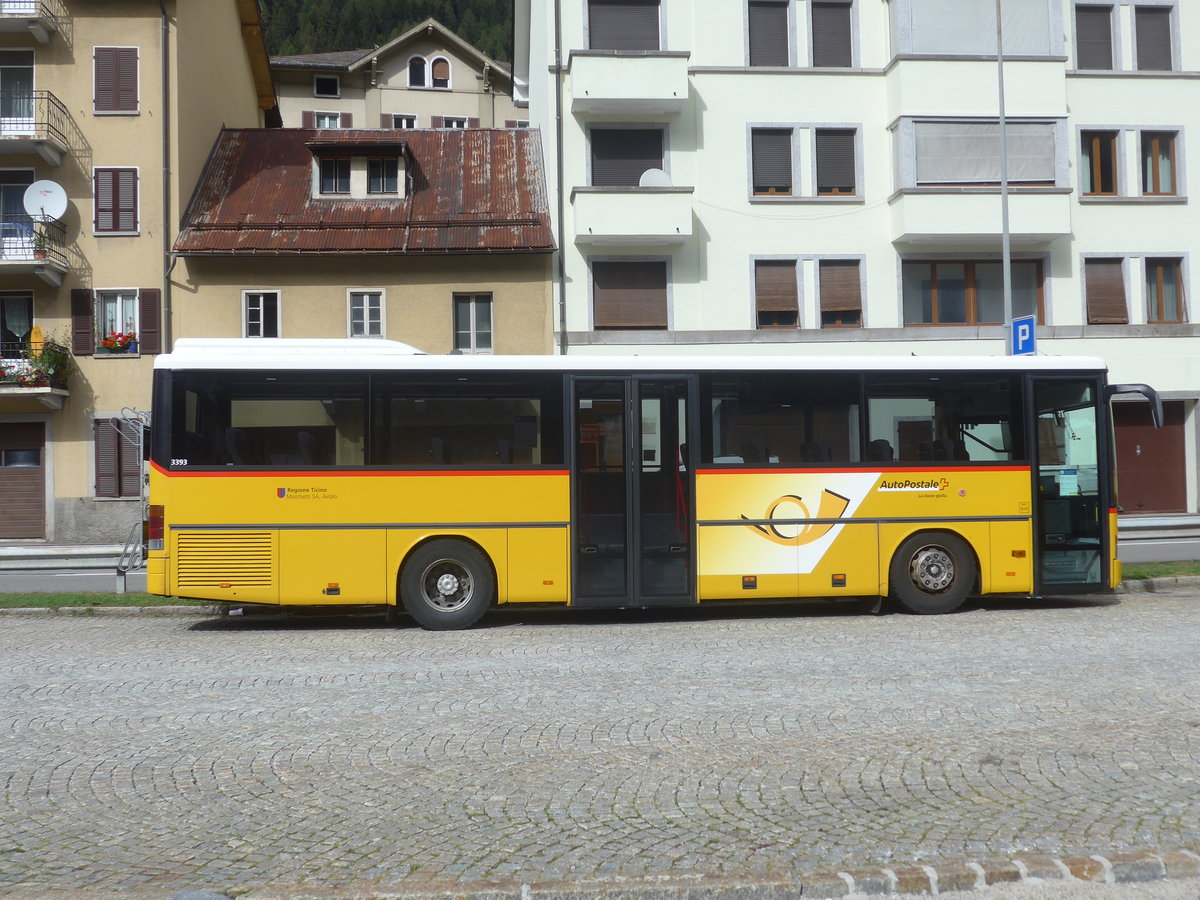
(229, 558)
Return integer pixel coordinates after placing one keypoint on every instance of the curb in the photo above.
(1162, 585)
(113, 611)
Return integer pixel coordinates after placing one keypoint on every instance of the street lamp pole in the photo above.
(1005, 241)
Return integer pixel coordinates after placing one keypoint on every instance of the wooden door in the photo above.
(1150, 463)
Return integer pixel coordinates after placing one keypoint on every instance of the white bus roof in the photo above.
(250, 354)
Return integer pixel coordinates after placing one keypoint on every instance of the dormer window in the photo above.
(441, 73)
(382, 175)
(416, 72)
(335, 176)
(327, 86)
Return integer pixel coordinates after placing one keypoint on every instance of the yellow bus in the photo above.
(364, 472)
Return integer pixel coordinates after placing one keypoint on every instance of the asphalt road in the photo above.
(320, 756)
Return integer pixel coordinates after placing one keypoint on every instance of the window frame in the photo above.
(337, 86)
(840, 261)
(771, 193)
(472, 301)
(433, 79)
(384, 162)
(661, 129)
(667, 312)
(457, 123)
(408, 71)
(1113, 36)
(260, 293)
(1100, 310)
(319, 115)
(338, 163)
(123, 295)
(1169, 11)
(1088, 140)
(415, 120)
(851, 7)
(760, 290)
(1158, 298)
(855, 134)
(117, 208)
(373, 299)
(659, 32)
(117, 107)
(1156, 169)
(971, 298)
(788, 8)
(126, 459)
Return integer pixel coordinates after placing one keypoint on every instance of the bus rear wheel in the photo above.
(932, 573)
(447, 584)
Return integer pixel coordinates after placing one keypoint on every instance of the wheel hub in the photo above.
(932, 569)
(447, 585)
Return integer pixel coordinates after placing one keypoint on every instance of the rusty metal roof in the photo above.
(338, 59)
(475, 190)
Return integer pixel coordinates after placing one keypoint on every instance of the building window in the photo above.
(1152, 26)
(621, 155)
(1104, 289)
(969, 293)
(832, 43)
(116, 316)
(453, 121)
(1158, 163)
(382, 175)
(962, 153)
(327, 120)
(516, 123)
(404, 121)
(16, 324)
(16, 92)
(16, 225)
(366, 314)
(841, 293)
(771, 161)
(118, 458)
(440, 70)
(768, 33)
(835, 162)
(116, 201)
(473, 323)
(623, 25)
(951, 27)
(629, 294)
(1164, 291)
(327, 86)
(262, 314)
(1093, 37)
(1099, 165)
(416, 72)
(776, 297)
(335, 176)
(116, 79)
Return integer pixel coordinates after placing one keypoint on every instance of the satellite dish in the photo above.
(654, 178)
(45, 201)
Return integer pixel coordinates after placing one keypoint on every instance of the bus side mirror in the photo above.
(1151, 395)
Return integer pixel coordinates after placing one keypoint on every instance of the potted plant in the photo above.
(119, 342)
(41, 241)
(51, 363)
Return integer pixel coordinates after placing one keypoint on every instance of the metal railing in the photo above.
(32, 116)
(23, 239)
(48, 10)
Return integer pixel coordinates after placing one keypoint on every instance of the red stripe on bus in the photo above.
(343, 473)
(863, 469)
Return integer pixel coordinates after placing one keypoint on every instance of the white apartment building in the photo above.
(823, 177)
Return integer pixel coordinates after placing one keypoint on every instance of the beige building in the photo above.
(438, 238)
(108, 110)
(428, 77)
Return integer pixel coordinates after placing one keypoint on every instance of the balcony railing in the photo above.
(24, 240)
(39, 373)
(33, 120)
(39, 17)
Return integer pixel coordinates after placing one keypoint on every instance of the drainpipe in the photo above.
(168, 261)
(560, 179)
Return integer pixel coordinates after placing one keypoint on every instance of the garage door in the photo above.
(23, 480)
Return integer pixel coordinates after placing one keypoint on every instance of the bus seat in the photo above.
(308, 448)
(504, 452)
(238, 445)
(755, 451)
(880, 451)
(439, 452)
(817, 451)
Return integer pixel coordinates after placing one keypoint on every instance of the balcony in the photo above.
(972, 215)
(33, 122)
(41, 18)
(638, 216)
(636, 84)
(35, 373)
(33, 248)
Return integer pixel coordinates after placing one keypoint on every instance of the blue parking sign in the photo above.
(1024, 337)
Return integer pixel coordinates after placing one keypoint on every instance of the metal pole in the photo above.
(1005, 243)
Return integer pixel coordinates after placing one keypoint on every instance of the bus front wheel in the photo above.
(932, 573)
(447, 584)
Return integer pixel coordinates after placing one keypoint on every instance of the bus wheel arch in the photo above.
(932, 572)
(446, 583)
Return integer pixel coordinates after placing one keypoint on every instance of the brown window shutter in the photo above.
(126, 200)
(83, 331)
(346, 120)
(308, 119)
(437, 121)
(129, 459)
(1093, 37)
(840, 288)
(621, 155)
(387, 120)
(510, 123)
(126, 62)
(1104, 283)
(771, 160)
(108, 458)
(105, 87)
(775, 286)
(629, 294)
(768, 33)
(831, 35)
(623, 25)
(440, 70)
(472, 122)
(1153, 24)
(115, 203)
(150, 326)
(835, 162)
(103, 203)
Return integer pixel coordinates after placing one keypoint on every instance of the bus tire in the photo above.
(932, 573)
(447, 584)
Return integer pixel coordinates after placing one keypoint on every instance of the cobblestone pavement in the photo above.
(148, 755)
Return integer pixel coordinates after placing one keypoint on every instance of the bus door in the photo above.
(632, 491)
(1071, 515)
